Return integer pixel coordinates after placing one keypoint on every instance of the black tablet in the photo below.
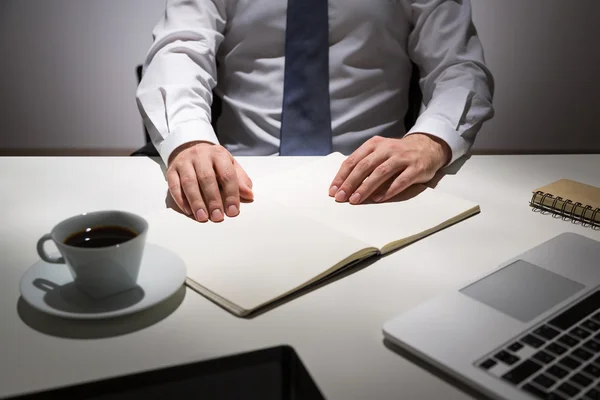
(275, 373)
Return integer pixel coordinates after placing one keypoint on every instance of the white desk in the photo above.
(335, 329)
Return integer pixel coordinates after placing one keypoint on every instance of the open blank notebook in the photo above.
(294, 235)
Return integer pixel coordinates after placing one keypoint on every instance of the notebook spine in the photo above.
(566, 208)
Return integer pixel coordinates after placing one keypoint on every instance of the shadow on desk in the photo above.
(97, 329)
(450, 170)
(434, 371)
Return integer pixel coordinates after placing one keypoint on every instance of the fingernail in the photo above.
(201, 215)
(355, 198)
(377, 198)
(217, 215)
(232, 211)
(340, 196)
(333, 190)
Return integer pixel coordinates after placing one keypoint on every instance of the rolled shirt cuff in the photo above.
(443, 130)
(195, 130)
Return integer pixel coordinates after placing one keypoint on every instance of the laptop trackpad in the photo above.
(522, 290)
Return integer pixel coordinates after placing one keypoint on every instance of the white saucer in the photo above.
(49, 288)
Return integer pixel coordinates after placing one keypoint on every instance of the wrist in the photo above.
(441, 149)
(186, 146)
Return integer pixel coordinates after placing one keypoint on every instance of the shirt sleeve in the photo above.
(175, 94)
(457, 86)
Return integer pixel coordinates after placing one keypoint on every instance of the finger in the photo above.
(379, 177)
(245, 183)
(379, 193)
(348, 165)
(401, 183)
(360, 172)
(228, 180)
(170, 203)
(189, 184)
(176, 193)
(210, 188)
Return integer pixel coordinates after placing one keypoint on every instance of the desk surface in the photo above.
(336, 329)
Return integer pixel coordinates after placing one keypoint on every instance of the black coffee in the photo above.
(101, 236)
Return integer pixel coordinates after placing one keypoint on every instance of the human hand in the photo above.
(382, 168)
(207, 182)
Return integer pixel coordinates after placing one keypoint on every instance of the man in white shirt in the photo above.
(371, 46)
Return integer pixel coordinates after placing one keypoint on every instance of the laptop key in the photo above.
(529, 388)
(543, 357)
(533, 341)
(544, 381)
(556, 348)
(487, 364)
(521, 372)
(569, 362)
(581, 380)
(592, 370)
(506, 357)
(540, 393)
(582, 354)
(568, 341)
(580, 333)
(516, 346)
(568, 389)
(592, 345)
(558, 371)
(591, 325)
(546, 332)
(592, 394)
(577, 312)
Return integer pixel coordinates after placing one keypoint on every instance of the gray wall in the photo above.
(545, 57)
(67, 76)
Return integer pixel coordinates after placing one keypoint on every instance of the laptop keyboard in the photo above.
(556, 360)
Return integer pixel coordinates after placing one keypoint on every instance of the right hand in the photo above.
(207, 182)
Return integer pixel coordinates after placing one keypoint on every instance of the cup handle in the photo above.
(44, 255)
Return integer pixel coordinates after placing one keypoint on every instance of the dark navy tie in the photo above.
(306, 115)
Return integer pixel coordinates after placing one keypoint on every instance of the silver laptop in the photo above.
(530, 329)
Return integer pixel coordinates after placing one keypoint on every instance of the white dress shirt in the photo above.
(371, 45)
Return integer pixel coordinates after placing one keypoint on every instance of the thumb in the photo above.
(245, 183)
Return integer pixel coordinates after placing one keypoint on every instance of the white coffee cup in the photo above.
(99, 271)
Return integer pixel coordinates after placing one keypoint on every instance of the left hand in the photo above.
(391, 166)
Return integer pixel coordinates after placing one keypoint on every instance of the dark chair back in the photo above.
(138, 73)
(415, 98)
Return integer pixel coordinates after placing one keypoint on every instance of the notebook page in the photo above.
(261, 254)
(417, 210)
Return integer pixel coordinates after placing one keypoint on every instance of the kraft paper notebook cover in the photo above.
(294, 235)
(570, 199)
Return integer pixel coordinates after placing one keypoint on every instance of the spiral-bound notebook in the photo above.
(571, 199)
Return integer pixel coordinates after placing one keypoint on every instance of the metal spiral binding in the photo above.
(571, 214)
(563, 207)
(594, 214)
(584, 212)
